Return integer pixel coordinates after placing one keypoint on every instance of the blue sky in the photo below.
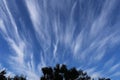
(79, 33)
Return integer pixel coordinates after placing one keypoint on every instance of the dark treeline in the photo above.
(3, 77)
(59, 72)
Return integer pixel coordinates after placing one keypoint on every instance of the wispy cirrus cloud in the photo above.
(90, 43)
(14, 40)
(96, 43)
(115, 67)
(63, 29)
(100, 23)
(17, 43)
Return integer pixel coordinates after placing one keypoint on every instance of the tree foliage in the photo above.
(62, 73)
(3, 77)
(59, 72)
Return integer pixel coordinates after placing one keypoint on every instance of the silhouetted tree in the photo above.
(59, 72)
(3, 77)
(62, 73)
(19, 77)
(104, 78)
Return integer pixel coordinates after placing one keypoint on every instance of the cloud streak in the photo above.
(61, 32)
(18, 44)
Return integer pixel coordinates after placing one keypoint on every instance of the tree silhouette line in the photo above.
(59, 72)
(16, 77)
(62, 73)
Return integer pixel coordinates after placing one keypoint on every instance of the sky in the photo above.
(79, 33)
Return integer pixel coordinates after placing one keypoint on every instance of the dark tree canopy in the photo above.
(60, 72)
(3, 77)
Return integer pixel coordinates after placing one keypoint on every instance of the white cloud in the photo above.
(17, 43)
(19, 49)
(34, 11)
(55, 49)
(78, 43)
(2, 26)
(100, 23)
(40, 21)
(109, 62)
(88, 46)
(115, 74)
(99, 55)
(10, 74)
(96, 75)
(114, 67)
(90, 70)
